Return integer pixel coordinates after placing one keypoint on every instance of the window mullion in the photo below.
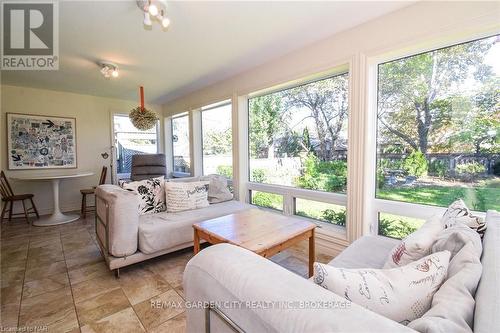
(196, 143)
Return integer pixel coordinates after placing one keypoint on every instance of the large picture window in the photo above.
(180, 144)
(217, 140)
(438, 126)
(298, 136)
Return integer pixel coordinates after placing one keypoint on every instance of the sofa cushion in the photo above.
(453, 304)
(402, 294)
(416, 245)
(365, 252)
(165, 230)
(181, 196)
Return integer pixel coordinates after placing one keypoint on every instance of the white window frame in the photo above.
(375, 205)
(328, 232)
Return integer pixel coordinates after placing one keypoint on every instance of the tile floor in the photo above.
(55, 279)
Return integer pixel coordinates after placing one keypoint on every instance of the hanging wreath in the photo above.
(142, 118)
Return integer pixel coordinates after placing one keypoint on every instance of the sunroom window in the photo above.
(438, 126)
(181, 146)
(130, 141)
(298, 138)
(217, 139)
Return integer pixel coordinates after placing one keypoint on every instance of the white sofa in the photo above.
(233, 276)
(125, 237)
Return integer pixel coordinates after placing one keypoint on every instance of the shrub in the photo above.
(496, 168)
(471, 168)
(415, 164)
(380, 177)
(385, 163)
(225, 170)
(259, 175)
(269, 200)
(338, 218)
(395, 228)
(330, 176)
(438, 168)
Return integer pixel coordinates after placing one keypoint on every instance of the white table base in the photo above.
(57, 217)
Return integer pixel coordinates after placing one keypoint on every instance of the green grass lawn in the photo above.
(315, 209)
(481, 197)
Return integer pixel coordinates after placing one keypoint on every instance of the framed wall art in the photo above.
(40, 142)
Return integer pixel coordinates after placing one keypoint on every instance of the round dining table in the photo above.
(57, 217)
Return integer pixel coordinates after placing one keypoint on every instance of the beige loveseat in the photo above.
(126, 238)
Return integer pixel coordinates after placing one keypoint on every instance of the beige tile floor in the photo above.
(54, 278)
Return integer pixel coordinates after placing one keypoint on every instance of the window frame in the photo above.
(340, 235)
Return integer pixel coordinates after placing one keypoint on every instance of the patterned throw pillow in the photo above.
(183, 196)
(416, 245)
(458, 212)
(151, 194)
(401, 294)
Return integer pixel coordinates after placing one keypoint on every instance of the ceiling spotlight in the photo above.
(153, 10)
(109, 70)
(165, 22)
(147, 19)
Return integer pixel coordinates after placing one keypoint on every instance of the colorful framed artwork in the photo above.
(40, 142)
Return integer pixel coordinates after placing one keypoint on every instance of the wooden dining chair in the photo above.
(91, 191)
(8, 199)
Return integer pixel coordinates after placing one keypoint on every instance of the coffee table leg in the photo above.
(196, 241)
(312, 254)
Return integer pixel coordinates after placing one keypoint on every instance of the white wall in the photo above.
(419, 24)
(93, 128)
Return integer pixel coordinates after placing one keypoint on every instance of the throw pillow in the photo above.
(401, 294)
(453, 304)
(183, 196)
(416, 245)
(217, 189)
(458, 212)
(151, 194)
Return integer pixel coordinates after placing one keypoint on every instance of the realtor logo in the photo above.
(30, 33)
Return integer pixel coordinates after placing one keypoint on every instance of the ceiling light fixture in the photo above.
(109, 70)
(147, 19)
(165, 21)
(154, 10)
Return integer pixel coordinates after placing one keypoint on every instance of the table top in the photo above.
(255, 229)
(51, 177)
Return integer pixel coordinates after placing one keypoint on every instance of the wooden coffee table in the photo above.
(257, 230)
